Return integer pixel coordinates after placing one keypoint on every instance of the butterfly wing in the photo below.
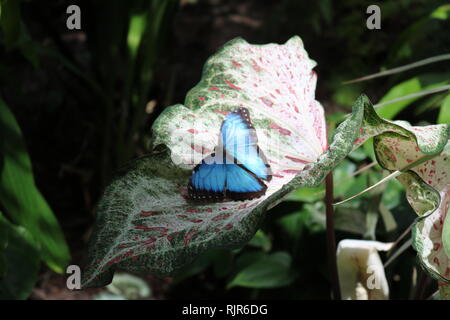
(208, 180)
(213, 181)
(242, 184)
(239, 140)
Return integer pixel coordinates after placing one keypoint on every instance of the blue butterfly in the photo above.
(237, 167)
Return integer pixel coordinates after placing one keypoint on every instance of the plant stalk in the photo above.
(331, 241)
(421, 287)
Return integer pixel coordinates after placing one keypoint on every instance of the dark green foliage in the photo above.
(19, 261)
(20, 198)
(81, 100)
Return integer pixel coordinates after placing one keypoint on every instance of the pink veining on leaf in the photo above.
(277, 85)
(436, 173)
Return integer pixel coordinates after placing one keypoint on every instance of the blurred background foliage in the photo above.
(77, 104)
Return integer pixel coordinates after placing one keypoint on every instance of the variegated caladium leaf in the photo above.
(145, 221)
(426, 149)
(444, 290)
(275, 83)
(427, 189)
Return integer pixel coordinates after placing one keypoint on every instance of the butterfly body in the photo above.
(237, 169)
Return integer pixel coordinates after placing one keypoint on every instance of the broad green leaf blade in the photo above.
(22, 262)
(406, 100)
(20, 197)
(444, 112)
(271, 271)
(427, 189)
(409, 87)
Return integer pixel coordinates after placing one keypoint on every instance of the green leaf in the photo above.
(148, 28)
(22, 262)
(270, 271)
(346, 95)
(434, 101)
(410, 41)
(350, 220)
(404, 88)
(307, 194)
(444, 112)
(342, 176)
(11, 21)
(129, 287)
(20, 197)
(248, 258)
(368, 149)
(15, 33)
(441, 13)
(261, 240)
(135, 31)
(358, 155)
(392, 194)
(300, 223)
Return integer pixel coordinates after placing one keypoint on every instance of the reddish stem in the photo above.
(331, 241)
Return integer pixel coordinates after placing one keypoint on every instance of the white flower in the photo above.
(361, 272)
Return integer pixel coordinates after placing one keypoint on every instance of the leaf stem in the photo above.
(414, 95)
(397, 253)
(331, 241)
(394, 174)
(402, 68)
(387, 178)
(421, 287)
